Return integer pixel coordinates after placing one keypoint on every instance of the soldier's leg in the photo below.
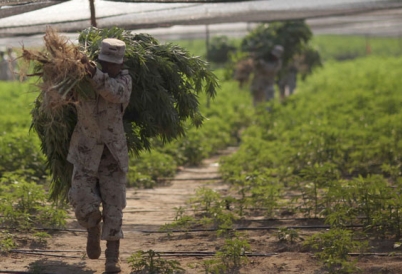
(258, 96)
(282, 90)
(84, 197)
(113, 191)
(292, 86)
(269, 92)
(112, 182)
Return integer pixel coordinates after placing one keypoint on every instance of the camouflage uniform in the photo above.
(262, 87)
(289, 80)
(98, 151)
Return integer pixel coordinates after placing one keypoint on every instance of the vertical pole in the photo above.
(207, 40)
(400, 43)
(207, 46)
(368, 47)
(92, 9)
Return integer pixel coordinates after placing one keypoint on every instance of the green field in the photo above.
(335, 146)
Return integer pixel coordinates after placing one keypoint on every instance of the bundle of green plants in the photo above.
(219, 49)
(292, 35)
(166, 83)
(308, 60)
(60, 68)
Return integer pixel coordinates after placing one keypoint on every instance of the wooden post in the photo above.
(368, 47)
(92, 9)
(207, 45)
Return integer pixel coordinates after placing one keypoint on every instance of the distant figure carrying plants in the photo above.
(265, 70)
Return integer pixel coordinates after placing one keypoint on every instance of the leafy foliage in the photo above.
(230, 257)
(151, 262)
(332, 249)
(336, 143)
(292, 35)
(219, 49)
(7, 242)
(54, 131)
(341, 48)
(19, 150)
(24, 205)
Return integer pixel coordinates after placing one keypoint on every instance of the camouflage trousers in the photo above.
(108, 187)
(262, 95)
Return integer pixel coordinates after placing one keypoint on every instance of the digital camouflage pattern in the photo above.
(98, 151)
(262, 86)
(87, 192)
(100, 122)
(289, 80)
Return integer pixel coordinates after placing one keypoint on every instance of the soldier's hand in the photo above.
(89, 66)
(84, 59)
(91, 69)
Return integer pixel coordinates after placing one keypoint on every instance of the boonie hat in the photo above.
(277, 51)
(112, 50)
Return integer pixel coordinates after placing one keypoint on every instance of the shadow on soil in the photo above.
(57, 267)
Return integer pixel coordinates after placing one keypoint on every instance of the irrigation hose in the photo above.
(204, 230)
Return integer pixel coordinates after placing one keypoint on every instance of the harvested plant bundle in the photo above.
(60, 67)
(166, 84)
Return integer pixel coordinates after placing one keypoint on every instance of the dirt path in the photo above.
(148, 209)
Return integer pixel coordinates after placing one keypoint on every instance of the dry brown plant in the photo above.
(59, 64)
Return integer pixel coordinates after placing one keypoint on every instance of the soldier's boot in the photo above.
(112, 257)
(93, 242)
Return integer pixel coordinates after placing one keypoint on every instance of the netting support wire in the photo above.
(247, 229)
(191, 179)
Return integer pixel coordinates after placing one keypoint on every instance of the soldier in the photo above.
(265, 71)
(98, 151)
(11, 58)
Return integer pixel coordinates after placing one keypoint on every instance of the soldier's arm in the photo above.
(115, 90)
(270, 66)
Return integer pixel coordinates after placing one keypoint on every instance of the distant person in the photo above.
(265, 71)
(11, 58)
(3, 67)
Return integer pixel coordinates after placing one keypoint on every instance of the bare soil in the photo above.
(148, 209)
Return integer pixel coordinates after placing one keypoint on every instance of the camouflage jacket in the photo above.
(100, 122)
(264, 74)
